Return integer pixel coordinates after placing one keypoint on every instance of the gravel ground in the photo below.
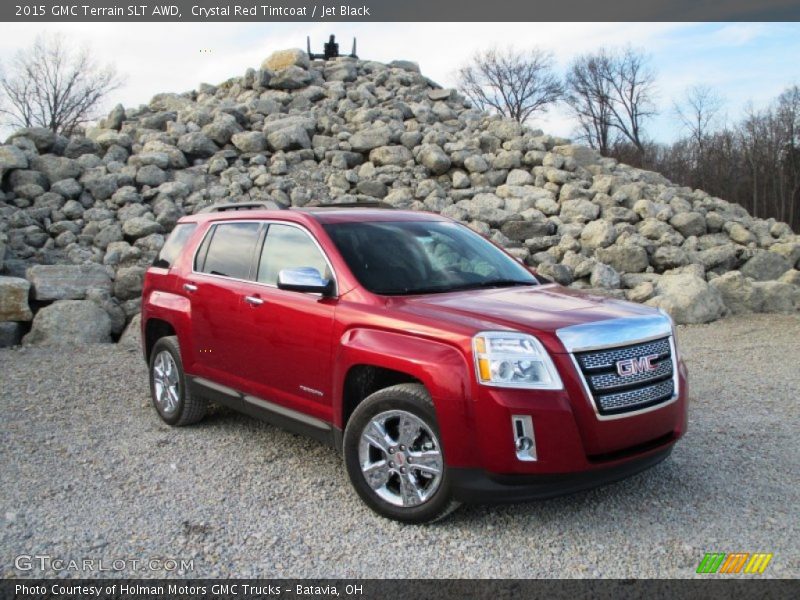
(89, 471)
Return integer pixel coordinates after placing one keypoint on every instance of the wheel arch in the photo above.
(369, 360)
(154, 330)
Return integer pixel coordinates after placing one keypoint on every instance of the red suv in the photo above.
(442, 368)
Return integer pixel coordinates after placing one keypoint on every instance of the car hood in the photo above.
(542, 309)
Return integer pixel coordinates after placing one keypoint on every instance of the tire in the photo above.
(399, 479)
(171, 397)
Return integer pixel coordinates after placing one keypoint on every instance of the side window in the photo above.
(289, 248)
(229, 250)
(174, 245)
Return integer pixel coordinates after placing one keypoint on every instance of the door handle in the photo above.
(190, 287)
(253, 300)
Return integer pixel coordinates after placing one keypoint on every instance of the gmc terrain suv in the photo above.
(442, 368)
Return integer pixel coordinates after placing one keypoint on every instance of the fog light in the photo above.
(524, 439)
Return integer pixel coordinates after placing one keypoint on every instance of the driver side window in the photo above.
(287, 247)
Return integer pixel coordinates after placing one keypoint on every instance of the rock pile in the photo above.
(83, 217)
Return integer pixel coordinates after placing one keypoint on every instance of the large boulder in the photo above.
(689, 223)
(56, 168)
(128, 283)
(283, 59)
(42, 137)
(738, 292)
(390, 155)
(688, 298)
(740, 234)
(765, 265)
(293, 137)
(777, 296)
(579, 210)
(250, 141)
(604, 277)
(719, 258)
(69, 322)
(139, 227)
(14, 299)
(132, 336)
(12, 157)
(197, 144)
(670, 257)
(290, 78)
(367, 139)
(625, 258)
(434, 158)
(598, 234)
(789, 250)
(67, 282)
(523, 230)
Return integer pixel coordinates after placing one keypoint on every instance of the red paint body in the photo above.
(296, 338)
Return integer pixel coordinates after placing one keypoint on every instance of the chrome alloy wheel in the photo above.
(400, 458)
(166, 382)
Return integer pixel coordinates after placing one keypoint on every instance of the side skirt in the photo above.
(275, 414)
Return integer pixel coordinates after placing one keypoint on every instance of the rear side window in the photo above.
(288, 247)
(228, 250)
(171, 250)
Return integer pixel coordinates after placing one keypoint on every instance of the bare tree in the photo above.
(698, 113)
(588, 95)
(788, 116)
(633, 83)
(55, 85)
(611, 92)
(698, 110)
(515, 83)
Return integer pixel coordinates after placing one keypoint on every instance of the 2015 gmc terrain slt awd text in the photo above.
(442, 368)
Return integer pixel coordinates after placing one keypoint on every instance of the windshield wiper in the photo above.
(492, 283)
(441, 289)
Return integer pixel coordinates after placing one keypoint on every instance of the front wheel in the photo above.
(394, 457)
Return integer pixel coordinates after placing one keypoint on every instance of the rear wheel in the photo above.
(171, 397)
(394, 457)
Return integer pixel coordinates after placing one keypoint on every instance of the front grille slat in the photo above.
(612, 381)
(607, 358)
(614, 394)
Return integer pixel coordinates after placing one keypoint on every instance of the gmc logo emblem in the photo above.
(632, 366)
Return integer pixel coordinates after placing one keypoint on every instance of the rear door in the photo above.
(288, 334)
(224, 264)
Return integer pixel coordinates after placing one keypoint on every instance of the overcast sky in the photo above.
(745, 62)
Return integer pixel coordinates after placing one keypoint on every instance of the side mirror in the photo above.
(304, 279)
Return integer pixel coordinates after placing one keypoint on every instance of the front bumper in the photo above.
(477, 486)
(569, 437)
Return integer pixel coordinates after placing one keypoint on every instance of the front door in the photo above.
(289, 333)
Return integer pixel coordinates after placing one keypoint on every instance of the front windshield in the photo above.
(419, 257)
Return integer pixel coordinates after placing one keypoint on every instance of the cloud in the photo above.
(159, 57)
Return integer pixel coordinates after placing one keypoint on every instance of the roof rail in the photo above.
(367, 204)
(226, 206)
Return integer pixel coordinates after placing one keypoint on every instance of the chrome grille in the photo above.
(612, 381)
(615, 394)
(606, 359)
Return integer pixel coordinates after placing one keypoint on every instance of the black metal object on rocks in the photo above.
(330, 49)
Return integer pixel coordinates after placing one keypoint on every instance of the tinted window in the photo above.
(416, 257)
(230, 250)
(289, 248)
(175, 243)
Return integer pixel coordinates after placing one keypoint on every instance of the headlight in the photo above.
(508, 359)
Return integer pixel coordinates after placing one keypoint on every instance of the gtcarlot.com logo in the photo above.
(736, 562)
(45, 562)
